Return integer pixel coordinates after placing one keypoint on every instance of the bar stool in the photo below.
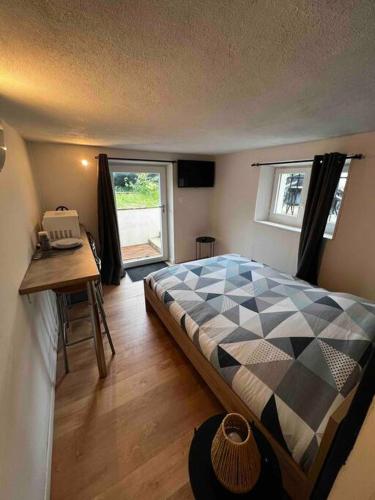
(63, 299)
(65, 321)
(204, 240)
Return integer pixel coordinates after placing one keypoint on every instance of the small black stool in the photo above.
(204, 240)
(203, 481)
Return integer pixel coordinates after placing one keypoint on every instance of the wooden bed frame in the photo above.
(296, 482)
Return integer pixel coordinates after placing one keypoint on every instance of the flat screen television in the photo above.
(192, 173)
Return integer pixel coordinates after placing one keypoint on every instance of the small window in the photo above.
(289, 195)
(337, 200)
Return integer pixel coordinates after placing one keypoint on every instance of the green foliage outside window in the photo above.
(136, 190)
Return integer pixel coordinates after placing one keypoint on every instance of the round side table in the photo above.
(203, 241)
(203, 481)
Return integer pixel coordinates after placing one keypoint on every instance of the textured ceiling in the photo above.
(187, 75)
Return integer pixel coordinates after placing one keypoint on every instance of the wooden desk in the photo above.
(66, 268)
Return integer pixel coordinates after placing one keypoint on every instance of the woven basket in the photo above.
(236, 463)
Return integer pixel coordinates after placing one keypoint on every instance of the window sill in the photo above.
(293, 229)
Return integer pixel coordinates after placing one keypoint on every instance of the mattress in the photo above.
(292, 352)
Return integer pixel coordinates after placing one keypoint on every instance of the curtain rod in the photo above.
(138, 159)
(358, 156)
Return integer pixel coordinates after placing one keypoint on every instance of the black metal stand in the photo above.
(200, 243)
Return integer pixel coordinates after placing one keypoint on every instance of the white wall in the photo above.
(62, 180)
(348, 262)
(191, 218)
(27, 339)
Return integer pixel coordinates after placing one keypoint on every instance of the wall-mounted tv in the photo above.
(192, 173)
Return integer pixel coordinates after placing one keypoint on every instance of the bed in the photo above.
(284, 353)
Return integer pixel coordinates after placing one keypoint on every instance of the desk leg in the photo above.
(97, 330)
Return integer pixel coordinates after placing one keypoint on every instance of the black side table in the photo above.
(204, 240)
(203, 481)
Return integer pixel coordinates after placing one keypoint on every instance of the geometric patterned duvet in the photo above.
(291, 352)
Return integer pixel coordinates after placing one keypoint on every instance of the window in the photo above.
(289, 193)
(337, 200)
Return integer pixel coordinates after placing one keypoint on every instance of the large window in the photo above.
(289, 193)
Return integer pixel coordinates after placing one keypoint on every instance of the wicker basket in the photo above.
(234, 454)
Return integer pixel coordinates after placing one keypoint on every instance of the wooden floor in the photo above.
(132, 252)
(127, 436)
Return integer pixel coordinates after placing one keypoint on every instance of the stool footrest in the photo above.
(69, 344)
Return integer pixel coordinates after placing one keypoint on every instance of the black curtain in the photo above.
(112, 269)
(325, 175)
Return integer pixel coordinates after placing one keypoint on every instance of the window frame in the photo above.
(289, 220)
